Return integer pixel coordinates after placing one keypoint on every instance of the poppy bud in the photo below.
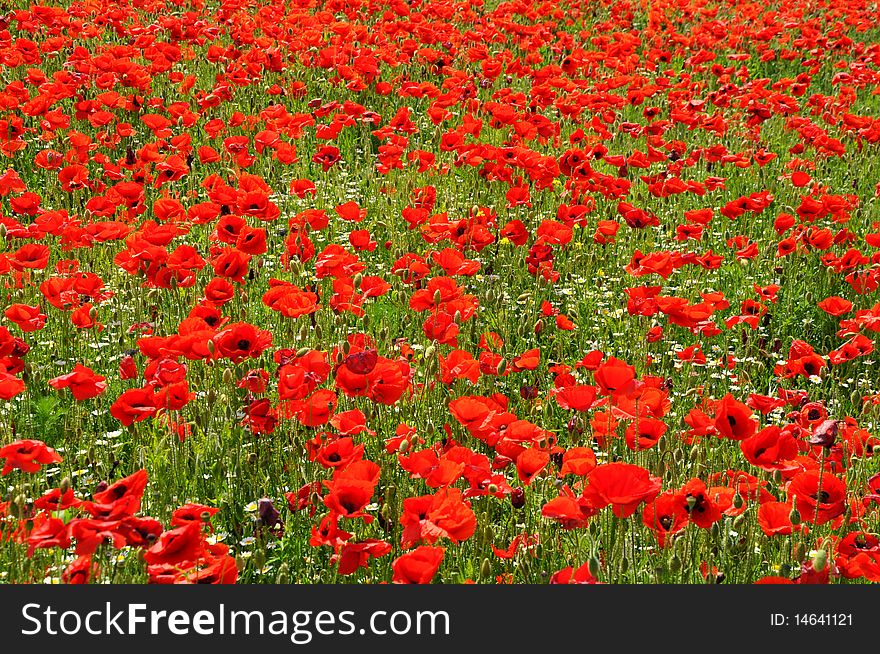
(820, 560)
(738, 522)
(365, 321)
(240, 563)
(798, 552)
(624, 565)
(65, 485)
(403, 448)
(211, 347)
(715, 530)
(501, 367)
(594, 566)
(518, 498)
(390, 493)
(437, 297)
(283, 574)
(675, 564)
(303, 332)
(539, 326)
(430, 351)
(486, 569)
(227, 376)
(738, 501)
(777, 476)
(430, 429)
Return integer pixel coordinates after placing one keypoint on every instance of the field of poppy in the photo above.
(411, 291)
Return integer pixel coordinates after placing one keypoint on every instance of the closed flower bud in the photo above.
(594, 566)
(518, 498)
(820, 560)
(794, 517)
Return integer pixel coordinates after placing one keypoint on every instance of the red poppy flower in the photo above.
(418, 566)
(27, 456)
(83, 383)
(622, 485)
